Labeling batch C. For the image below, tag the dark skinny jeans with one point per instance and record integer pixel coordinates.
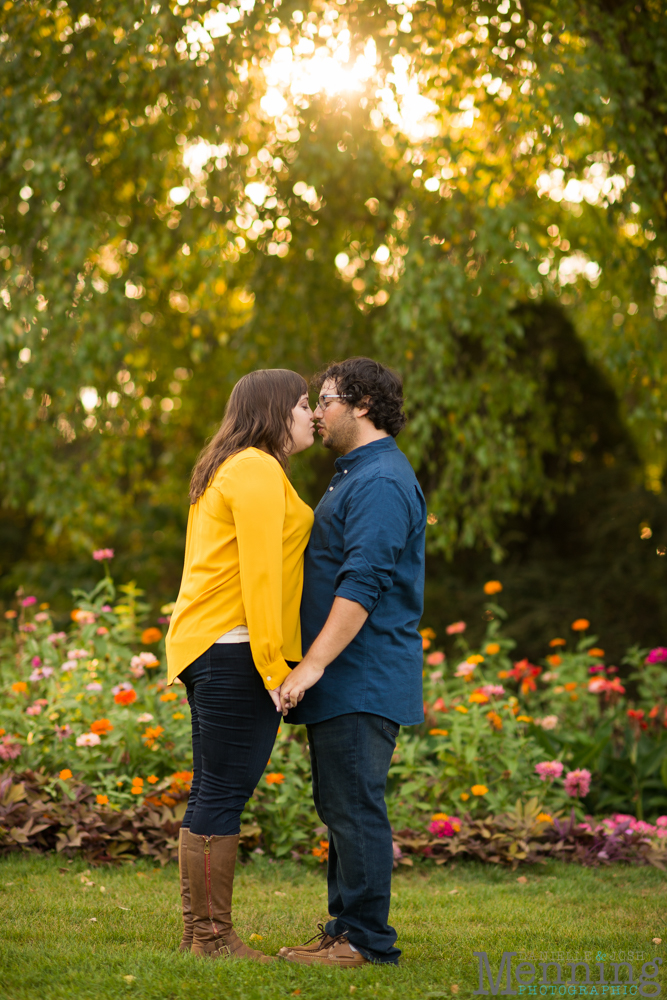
(234, 726)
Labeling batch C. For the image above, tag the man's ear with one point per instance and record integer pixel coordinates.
(363, 406)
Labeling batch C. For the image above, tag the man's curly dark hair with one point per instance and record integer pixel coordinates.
(364, 381)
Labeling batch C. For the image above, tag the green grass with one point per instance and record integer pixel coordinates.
(62, 939)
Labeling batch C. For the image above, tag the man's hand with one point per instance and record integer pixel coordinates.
(293, 687)
(344, 621)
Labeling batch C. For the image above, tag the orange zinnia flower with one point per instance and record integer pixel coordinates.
(102, 800)
(580, 625)
(478, 698)
(151, 635)
(101, 727)
(275, 778)
(438, 732)
(570, 686)
(19, 687)
(151, 735)
(558, 642)
(493, 587)
(65, 774)
(168, 696)
(554, 661)
(322, 852)
(492, 648)
(495, 720)
(152, 779)
(595, 651)
(479, 789)
(125, 697)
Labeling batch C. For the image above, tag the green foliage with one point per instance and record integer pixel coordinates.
(158, 301)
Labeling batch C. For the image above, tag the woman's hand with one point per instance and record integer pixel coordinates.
(275, 698)
(294, 687)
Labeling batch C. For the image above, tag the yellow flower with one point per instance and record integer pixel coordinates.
(544, 818)
(438, 732)
(478, 698)
(178, 715)
(436, 816)
(64, 775)
(169, 696)
(464, 796)
(462, 709)
(427, 633)
(475, 658)
(493, 587)
(479, 789)
(492, 648)
(524, 718)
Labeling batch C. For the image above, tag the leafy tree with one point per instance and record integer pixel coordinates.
(192, 192)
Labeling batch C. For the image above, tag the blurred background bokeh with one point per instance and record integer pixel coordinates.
(474, 194)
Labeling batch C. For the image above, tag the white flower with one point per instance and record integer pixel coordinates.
(88, 740)
(145, 717)
(548, 722)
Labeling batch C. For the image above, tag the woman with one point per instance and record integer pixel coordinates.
(234, 628)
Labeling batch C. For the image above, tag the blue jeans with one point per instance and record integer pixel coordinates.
(350, 757)
(234, 726)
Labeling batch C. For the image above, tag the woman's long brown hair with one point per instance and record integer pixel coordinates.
(258, 415)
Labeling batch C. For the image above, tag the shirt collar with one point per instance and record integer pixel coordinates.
(366, 451)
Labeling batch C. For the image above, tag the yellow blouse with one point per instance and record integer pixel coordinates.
(243, 566)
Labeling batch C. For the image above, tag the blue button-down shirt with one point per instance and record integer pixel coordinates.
(367, 545)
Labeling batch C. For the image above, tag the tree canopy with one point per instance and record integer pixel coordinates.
(190, 192)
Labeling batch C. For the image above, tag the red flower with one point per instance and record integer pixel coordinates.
(125, 697)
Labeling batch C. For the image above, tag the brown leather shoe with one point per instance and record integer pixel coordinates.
(339, 954)
(186, 940)
(320, 941)
(211, 863)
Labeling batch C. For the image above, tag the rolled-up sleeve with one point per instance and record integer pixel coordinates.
(377, 524)
(256, 496)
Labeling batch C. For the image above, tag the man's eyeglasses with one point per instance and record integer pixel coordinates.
(323, 401)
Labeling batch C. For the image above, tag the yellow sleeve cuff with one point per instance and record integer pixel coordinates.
(274, 674)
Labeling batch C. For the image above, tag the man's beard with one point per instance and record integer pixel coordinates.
(343, 437)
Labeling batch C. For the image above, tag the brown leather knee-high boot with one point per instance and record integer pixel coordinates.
(186, 941)
(211, 862)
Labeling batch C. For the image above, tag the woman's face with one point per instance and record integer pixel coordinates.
(303, 426)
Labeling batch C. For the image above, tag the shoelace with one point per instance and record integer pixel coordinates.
(321, 936)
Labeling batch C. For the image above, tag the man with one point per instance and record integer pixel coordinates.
(361, 677)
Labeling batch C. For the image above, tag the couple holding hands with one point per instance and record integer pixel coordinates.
(265, 578)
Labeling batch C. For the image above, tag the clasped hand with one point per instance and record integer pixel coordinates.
(293, 688)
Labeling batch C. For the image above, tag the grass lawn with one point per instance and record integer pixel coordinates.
(62, 939)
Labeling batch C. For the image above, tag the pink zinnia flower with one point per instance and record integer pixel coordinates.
(657, 655)
(40, 673)
(549, 769)
(88, 740)
(464, 669)
(548, 722)
(27, 601)
(492, 690)
(28, 627)
(62, 732)
(9, 750)
(94, 686)
(577, 782)
(661, 821)
(56, 637)
(33, 710)
(455, 628)
(100, 554)
(433, 659)
(36, 661)
(42, 616)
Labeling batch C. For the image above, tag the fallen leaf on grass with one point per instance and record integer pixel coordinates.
(522, 879)
(454, 988)
(93, 920)
(657, 940)
(10, 883)
(128, 979)
(280, 894)
(122, 907)
(453, 892)
(352, 989)
(296, 993)
(64, 871)
(102, 889)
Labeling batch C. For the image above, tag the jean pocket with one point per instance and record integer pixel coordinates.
(390, 727)
(199, 671)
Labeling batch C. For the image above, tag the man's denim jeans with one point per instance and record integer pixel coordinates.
(350, 757)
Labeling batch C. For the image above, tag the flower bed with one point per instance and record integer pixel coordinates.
(91, 706)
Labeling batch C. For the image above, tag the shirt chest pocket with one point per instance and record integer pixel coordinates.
(323, 519)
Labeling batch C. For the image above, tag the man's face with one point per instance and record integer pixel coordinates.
(336, 423)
